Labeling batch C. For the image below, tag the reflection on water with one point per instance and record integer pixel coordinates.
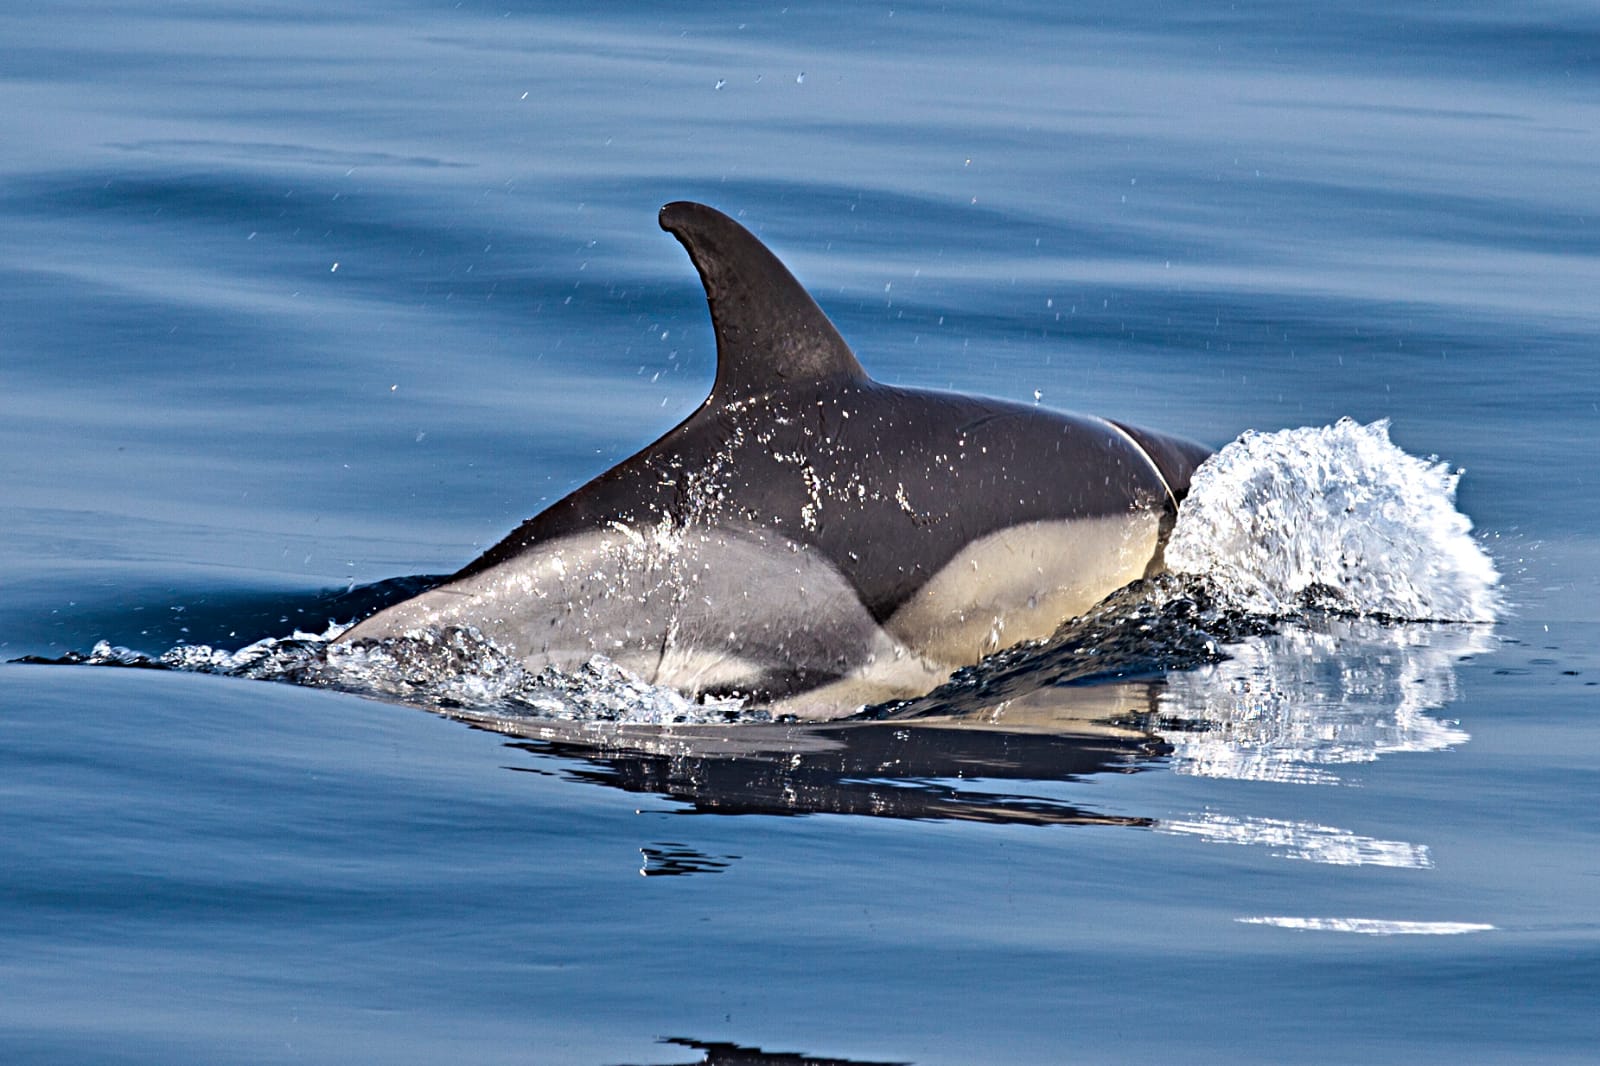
(1290, 706)
(723, 1054)
(1287, 707)
(670, 859)
(1302, 840)
(1330, 691)
(945, 771)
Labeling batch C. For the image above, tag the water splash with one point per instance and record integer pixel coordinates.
(450, 669)
(1337, 517)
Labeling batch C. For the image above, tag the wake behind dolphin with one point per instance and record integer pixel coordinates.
(810, 538)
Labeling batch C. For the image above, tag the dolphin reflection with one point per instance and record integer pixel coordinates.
(951, 770)
(1289, 706)
(722, 1053)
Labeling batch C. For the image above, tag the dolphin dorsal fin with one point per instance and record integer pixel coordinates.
(770, 332)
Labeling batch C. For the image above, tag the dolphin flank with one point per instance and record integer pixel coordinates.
(809, 537)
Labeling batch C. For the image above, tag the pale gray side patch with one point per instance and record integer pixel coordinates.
(762, 608)
(1021, 582)
(703, 609)
(560, 604)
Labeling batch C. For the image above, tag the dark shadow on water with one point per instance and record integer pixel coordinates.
(671, 859)
(720, 1053)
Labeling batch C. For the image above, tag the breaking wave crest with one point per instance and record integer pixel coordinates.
(1281, 533)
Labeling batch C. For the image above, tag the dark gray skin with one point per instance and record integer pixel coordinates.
(915, 505)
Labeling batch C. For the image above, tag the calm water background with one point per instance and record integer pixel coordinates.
(292, 299)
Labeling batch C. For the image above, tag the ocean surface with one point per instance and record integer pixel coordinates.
(295, 300)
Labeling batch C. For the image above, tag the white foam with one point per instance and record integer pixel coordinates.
(452, 668)
(1338, 513)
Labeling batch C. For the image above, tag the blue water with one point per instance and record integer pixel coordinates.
(294, 299)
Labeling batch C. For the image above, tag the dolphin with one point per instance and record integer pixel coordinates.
(810, 538)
